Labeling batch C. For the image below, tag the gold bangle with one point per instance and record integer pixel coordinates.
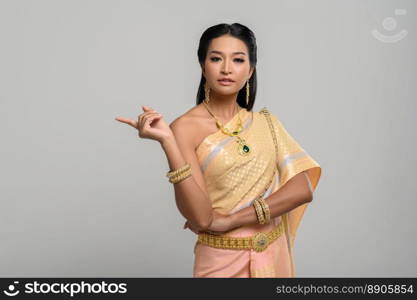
(181, 177)
(179, 170)
(265, 209)
(177, 176)
(259, 212)
(175, 179)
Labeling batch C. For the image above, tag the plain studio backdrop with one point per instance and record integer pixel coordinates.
(83, 196)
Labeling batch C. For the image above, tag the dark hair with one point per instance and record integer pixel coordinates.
(244, 34)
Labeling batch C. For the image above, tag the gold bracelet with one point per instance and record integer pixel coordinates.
(265, 209)
(175, 176)
(180, 174)
(259, 212)
(180, 177)
(179, 170)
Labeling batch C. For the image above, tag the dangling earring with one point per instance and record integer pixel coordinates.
(206, 92)
(247, 93)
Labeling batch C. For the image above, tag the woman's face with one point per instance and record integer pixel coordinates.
(228, 57)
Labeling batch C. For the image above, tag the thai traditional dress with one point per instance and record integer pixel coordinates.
(234, 181)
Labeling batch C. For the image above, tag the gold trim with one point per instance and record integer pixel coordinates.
(267, 115)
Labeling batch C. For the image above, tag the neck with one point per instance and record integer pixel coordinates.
(223, 106)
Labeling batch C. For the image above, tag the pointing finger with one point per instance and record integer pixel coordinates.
(130, 122)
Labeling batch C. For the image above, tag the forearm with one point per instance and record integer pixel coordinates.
(293, 194)
(191, 201)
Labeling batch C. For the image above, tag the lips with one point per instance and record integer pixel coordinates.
(226, 80)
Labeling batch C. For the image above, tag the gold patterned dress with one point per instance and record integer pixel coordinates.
(233, 182)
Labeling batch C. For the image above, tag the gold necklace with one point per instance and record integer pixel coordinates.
(243, 148)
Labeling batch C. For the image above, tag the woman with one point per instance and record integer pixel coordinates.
(240, 180)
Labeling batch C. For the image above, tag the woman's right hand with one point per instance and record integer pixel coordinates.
(150, 125)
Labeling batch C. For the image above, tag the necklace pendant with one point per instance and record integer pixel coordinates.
(243, 148)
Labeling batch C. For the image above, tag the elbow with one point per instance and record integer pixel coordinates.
(308, 197)
(305, 196)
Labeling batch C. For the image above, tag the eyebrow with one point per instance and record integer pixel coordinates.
(219, 52)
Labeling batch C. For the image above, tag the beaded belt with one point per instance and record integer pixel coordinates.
(258, 242)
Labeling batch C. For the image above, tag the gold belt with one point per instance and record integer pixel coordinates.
(258, 242)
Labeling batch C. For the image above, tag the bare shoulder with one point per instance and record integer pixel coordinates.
(192, 125)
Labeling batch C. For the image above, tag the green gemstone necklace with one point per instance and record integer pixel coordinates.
(243, 148)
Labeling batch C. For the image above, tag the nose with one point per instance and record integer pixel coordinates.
(226, 67)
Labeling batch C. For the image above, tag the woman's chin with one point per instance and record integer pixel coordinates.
(225, 90)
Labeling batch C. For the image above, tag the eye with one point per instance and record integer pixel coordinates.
(215, 58)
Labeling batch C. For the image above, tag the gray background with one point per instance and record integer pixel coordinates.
(83, 195)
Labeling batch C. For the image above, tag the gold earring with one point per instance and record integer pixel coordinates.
(206, 92)
(247, 93)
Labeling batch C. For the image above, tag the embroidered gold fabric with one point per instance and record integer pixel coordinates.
(232, 179)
